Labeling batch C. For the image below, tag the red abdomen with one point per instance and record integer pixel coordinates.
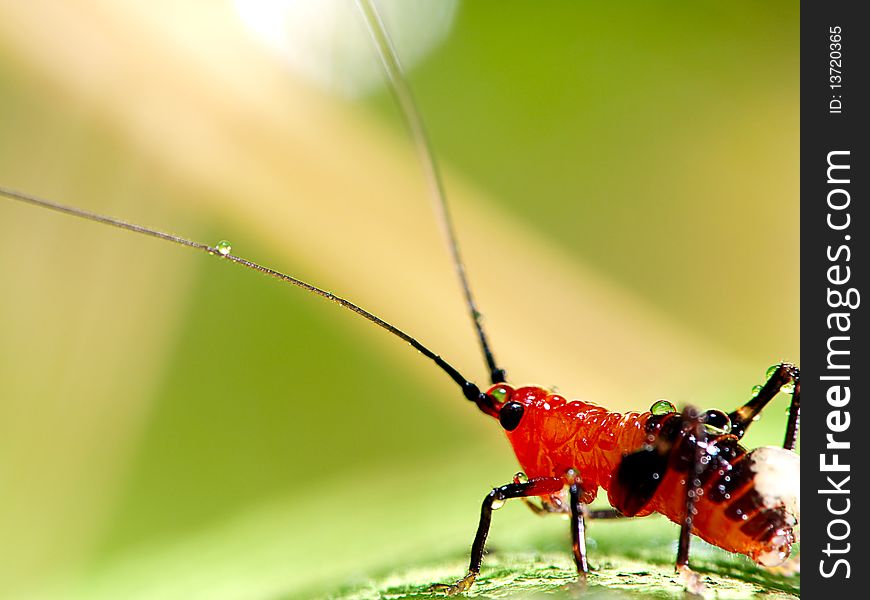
(734, 512)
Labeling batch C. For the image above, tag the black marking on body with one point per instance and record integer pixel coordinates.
(640, 473)
(737, 476)
(745, 506)
(636, 480)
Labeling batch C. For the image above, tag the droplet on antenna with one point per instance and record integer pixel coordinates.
(224, 247)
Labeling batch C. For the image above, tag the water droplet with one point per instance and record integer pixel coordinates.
(662, 407)
(756, 390)
(497, 504)
(655, 475)
(771, 371)
(717, 422)
(521, 477)
(499, 393)
(788, 388)
(224, 247)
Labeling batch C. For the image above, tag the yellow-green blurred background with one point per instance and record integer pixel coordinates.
(624, 178)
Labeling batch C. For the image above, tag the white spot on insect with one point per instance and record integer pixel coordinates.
(778, 479)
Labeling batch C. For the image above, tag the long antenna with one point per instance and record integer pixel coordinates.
(405, 99)
(486, 403)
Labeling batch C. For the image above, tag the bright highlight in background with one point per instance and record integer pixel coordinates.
(325, 41)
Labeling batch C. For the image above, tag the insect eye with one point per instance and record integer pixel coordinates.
(510, 414)
(716, 422)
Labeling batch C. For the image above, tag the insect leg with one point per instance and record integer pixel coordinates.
(534, 487)
(578, 532)
(784, 374)
(539, 506)
(694, 442)
(794, 415)
(549, 508)
(606, 513)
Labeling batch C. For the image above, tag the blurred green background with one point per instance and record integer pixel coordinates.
(624, 182)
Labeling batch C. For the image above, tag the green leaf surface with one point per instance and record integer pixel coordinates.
(552, 575)
(629, 559)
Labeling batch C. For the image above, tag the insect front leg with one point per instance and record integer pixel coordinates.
(539, 506)
(782, 375)
(494, 500)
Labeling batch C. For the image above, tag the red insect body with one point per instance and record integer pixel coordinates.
(555, 435)
(744, 502)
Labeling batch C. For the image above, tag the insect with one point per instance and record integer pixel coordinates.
(528, 469)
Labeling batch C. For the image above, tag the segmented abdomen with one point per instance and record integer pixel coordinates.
(749, 502)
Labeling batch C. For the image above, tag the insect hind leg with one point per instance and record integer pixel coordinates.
(784, 374)
(695, 443)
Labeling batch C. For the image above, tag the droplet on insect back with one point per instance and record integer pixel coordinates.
(756, 390)
(717, 422)
(224, 247)
(497, 504)
(662, 407)
(771, 371)
(788, 388)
